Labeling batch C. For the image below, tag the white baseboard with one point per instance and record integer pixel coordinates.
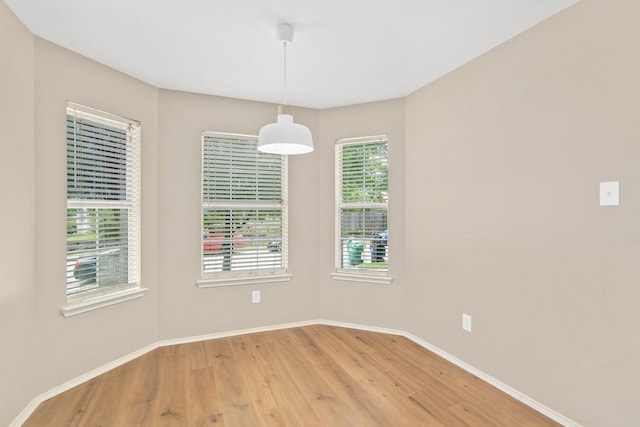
(28, 410)
(532, 403)
(217, 335)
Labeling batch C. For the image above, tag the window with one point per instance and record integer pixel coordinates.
(362, 187)
(102, 208)
(244, 212)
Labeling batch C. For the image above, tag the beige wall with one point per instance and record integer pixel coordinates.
(504, 159)
(16, 216)
(45, 348)
(369, 304)
(188, 310)
(494, 212)
(68, 347)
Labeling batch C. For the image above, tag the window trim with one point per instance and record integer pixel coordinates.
(340, 273)
(98, 301)
(217, 282)
(371, 277)
(84, 301)
(248, 277)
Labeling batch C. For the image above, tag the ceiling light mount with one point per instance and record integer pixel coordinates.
(285, 137)
(285, 33)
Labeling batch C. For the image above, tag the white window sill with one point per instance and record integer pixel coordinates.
(94, 303)
(363, 278)
(215, 282)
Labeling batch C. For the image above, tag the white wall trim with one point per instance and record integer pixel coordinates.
(216, 282)
(218, 335)
(362, 277)
(88, 304)
(532, 403)
(28, 410)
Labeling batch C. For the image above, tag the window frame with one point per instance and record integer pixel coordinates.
(101, 296)
(355, 274)
(243, 277)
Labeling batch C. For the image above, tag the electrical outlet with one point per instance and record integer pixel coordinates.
(255, 297)
(466, 322)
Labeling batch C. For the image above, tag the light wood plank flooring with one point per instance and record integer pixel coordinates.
(310, 376)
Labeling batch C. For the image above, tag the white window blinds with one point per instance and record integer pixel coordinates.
(244, 200)
(362, 186)
(102, 202)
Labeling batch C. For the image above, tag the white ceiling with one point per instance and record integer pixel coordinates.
(344, 51)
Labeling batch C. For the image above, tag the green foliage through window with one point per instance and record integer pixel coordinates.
(362, 197)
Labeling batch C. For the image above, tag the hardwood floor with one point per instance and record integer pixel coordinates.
(310, 376)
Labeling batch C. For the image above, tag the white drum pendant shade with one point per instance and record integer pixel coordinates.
(285, 136)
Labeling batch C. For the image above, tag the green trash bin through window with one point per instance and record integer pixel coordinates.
(355, 248)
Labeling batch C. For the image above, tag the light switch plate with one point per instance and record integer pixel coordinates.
(466, 322)
(610, 193)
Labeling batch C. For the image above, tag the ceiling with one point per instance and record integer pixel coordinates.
(344, 51)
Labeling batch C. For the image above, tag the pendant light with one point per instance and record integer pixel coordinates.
(285, 136)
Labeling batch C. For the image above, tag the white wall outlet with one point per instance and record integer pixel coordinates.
(610, 193)
(255, 297)
(466, 322)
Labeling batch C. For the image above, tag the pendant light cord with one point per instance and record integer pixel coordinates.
(285, 71)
